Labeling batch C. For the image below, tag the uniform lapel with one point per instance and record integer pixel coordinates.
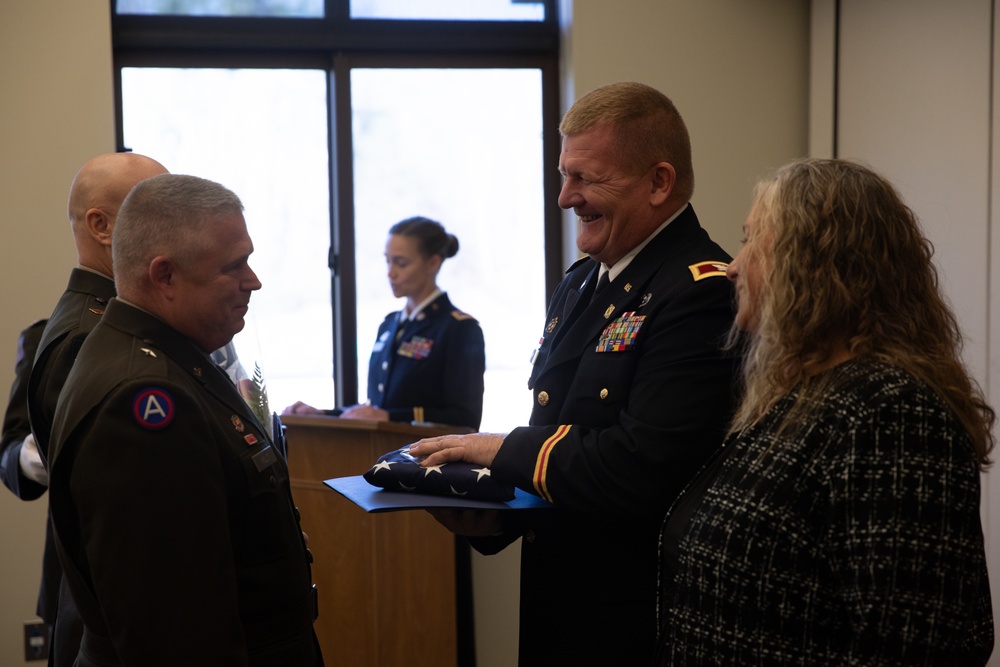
(579, 336)
(575, 305)
(626, 293)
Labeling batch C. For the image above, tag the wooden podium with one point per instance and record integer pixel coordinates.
(387, 582)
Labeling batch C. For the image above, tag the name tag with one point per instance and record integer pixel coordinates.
(380, 343)
(264, 459)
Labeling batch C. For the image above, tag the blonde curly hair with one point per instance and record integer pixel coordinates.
(845, 266)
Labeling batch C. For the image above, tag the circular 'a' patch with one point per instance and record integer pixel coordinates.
(153, 409)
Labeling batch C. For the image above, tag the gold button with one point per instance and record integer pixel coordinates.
(543, 398)
(604, 393)
(529, 536)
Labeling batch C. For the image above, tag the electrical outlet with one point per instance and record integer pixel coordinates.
(36, 640)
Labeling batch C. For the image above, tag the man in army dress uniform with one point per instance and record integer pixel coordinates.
(172, 510)
(95, 196)
(632, 391)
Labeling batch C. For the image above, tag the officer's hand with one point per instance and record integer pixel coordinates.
(479, 448)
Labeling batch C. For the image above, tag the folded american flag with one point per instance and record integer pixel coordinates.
(400, 471)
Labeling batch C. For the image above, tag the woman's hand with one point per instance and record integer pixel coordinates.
(365, 411)
(300, 408)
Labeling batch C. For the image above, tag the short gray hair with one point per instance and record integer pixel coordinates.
(164, 215)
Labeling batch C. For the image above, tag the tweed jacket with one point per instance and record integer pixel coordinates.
(856, 541)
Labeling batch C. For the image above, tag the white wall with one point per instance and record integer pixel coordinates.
(736, 70)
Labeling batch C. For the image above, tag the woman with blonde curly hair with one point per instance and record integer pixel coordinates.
(840, 524)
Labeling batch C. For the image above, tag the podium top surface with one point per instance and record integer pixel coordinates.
(416, 429)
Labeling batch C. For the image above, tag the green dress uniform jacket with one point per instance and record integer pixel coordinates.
(172, 511)
(854, 539)
(77, 312)
(632, 393)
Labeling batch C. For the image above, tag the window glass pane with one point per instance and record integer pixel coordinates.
(262, 134)
(481, 10)
(463, 147)
(271, 8)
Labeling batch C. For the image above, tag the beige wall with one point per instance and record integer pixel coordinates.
(55, 112)
(736, 70)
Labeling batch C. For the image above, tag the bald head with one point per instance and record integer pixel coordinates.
(94, 199)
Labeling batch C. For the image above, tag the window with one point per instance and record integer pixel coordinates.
(285, 8)
(209, 122)
(489, 10)
(482, 10)
(330, 136)
(447, 144)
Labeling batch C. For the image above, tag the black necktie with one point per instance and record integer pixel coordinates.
(603, 282)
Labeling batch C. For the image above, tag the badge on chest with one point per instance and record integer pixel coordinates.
(417, 347)
(621, 334)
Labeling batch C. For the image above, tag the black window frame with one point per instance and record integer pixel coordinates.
(336, 44)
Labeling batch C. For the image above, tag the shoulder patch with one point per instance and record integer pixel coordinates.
(153, 408)
(460, 316)
(703, 270)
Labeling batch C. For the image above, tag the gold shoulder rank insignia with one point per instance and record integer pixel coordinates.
(459, 315)
(703, 270)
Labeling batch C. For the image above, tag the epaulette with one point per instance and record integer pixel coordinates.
(578, 263)
(703, 270)
(460, 316)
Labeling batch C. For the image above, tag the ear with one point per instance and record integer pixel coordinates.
(162, 275)
(100, 226)
(436, 261)
(664, 178)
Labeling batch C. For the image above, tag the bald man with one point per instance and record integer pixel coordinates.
(95, 195)
(94, 198)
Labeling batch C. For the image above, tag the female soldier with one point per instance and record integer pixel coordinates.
(428, 360)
